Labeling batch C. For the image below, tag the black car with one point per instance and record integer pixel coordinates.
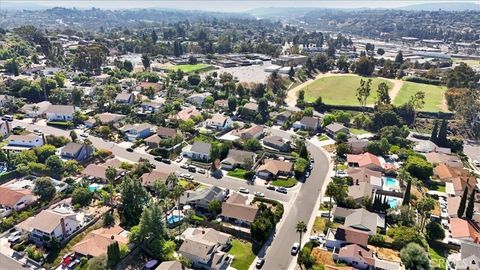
(260, 263)
(192, 169)
(129, 149)
(271, 187)
(158, 159)
(167, 161)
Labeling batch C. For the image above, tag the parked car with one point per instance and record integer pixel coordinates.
(192, 169)
(325, 215)
(188, 176)
(270, 187)
(184, 166)
(312, 160)
(295, 248)
(282, 190)
(260, 263)
(166, 161)
(85, 135)
(476, 163)
(259, 194)
(244, 190)
(14, 237)
(74, 264)
(341, 174)
(178, 159)
(202, 171)
(7, 117)
(158, 159)
(129, 149)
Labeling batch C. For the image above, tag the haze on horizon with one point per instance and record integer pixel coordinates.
(225, 5)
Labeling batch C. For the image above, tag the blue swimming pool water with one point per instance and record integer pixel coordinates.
(174, 219)
(94, 187)
(392, 202)
(389, 181)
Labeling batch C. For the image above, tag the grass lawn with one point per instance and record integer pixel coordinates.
(434, 95)
(437, 256)
(319, 225)
(342, 167)
(290, 182)
(323, 137)
(244, 256)
(340, 90)
(238, 173)
(191, 68)
(470, 62)
(357, 131)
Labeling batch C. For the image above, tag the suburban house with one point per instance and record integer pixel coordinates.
(366, 175)
(253, 132)
(59, 222)
(221, 104)
(97, 171)
(459, 184)
(336, 238)
(36, 109)
(149, 107)
(251, 108)
(448, 160)
(125, 98)
(219, 122)
(60, 113)
(463, 230)
(238, 158)
(454, 202)
(200, 199)
(362, 219)
(235, 209)
(14, 200)
(468, 257)
(187, 113)
(360, 192)
(283, 117)
(198, 151)
(149, 178)
(162, 134)
(5, 128)
(272, 169)
(278, 143)
(334, 128)
(197, 99)
(96, 242)
(171, 265)
(357, 146)
(23, 142)
(142, 86)
(137, 131)
(365, 160)
(205, 247)
(77, 151)
(308, 123)
(356, 256)
(104, 119)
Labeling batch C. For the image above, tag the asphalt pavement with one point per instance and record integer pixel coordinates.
(7, 263)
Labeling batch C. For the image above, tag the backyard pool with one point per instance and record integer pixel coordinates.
(392, 202)
(390, 181)
(173, 219)
(94, 187)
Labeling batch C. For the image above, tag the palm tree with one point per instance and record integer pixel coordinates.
(175, 194)
(301, 228)
(330, 192)
(35, 109)
(111, 174)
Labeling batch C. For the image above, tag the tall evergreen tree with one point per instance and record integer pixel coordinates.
(154, 36)
(463, 203)
(434, 136)
(470, 207)
(407, 195)
(442, 134)
(113, 254)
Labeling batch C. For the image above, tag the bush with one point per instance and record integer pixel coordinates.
(61, 124)
(422, 80)
(376, 239)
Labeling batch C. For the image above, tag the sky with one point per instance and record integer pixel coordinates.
(225, 5)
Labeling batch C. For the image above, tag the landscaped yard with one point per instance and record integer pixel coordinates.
(319, 225)
(340, 90)
(290, 182)
(470, 62)
(437, 256)
(244, 256)
(191, 68)
(323, 137)
(238, 173)
(434, 96)
(357, 131)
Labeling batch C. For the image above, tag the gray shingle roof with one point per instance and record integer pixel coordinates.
(201, 147)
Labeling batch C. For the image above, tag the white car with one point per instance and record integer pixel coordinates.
(476, 163)
(295, 248)
(14, 236)
(259, 194)
(244, 190)
(341, 174)
(178, 159)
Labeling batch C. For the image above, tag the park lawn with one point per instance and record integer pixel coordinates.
(437, 256)
(470, 62)
(187, 68)
(238, 173)
(290, 182)
(244, 256)
(341, 90)
(357, 131)
(323, 137)
(434, 96)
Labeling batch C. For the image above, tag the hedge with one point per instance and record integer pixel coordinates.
(422, 80)
(60, 124)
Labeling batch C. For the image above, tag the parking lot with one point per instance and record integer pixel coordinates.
(253, 73)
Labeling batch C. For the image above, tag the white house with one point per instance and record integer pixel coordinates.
(60, 113)
(198, 151)
(219, 122)
(14, 200)
(23, 142)
(125, 98)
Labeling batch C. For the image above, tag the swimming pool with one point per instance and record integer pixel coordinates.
(392, 202)
(172, 219)
(390, 181)
(94, 187)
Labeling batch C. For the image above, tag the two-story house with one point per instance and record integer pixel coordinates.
(198, 151)
(23, 142)
(125, 98)
(14, 200)
(60, 113)
(137, 131)
(219, 122)
(77, 151)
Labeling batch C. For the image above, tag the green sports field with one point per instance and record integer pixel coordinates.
(341, 90)
(434, 96)
(191, 68)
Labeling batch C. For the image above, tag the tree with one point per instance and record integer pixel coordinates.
(127, 65)
(399, 58)
(263, 106)
(383, 98)
(232, 104)
(442, 140)
(55, 165)
(380, 51)
(463, 203)
(134, 197)
(414, 257)
(252, 144)
(108, 219)
(291, 73)
(417, 101)
(145, 61)
(302, 149)
(424, 208)
(215, 207)
(470, 206)
(364, 66)
(208, 102)
(154, 37)
(113, 254)
(73, 136)
(81, 196)
(44, 189)
(419, 167)
(406, 196)
(98, 263)
(111, 175)
(435, 231)
(305, 258)
(363, 92)
(44, 151)
(434, 136)
(301, 228)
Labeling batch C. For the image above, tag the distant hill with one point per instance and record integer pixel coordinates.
(452, 6)
(22, 6)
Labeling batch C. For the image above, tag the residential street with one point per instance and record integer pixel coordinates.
(7, 263)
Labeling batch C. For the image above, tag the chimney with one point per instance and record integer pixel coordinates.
(64, 230)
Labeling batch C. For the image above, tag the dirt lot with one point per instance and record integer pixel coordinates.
(249, 74)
